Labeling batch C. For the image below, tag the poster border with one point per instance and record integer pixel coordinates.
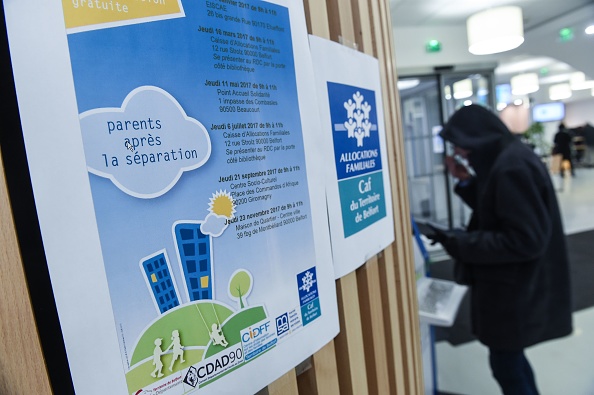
(27, 229)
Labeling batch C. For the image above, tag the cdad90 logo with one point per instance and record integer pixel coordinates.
(214, 366)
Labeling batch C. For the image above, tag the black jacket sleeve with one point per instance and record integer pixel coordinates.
(515, 221)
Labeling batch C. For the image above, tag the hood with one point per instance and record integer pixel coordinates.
(478, 130)
(474, 128)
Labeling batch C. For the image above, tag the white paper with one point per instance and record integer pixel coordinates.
(356, 162)
(127, 125)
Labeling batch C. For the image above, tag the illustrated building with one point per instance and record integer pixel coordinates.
(194, 251)
(157, 274)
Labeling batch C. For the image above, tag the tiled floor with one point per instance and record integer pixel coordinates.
(562, 367)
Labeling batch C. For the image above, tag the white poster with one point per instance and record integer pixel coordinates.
(172, 151)
(357, 179)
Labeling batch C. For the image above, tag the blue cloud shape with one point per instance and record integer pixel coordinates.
(144, 146)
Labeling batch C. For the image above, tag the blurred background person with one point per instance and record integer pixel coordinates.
(513, 253)
(562, 146)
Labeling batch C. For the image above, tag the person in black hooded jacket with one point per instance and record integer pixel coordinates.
(513, 253)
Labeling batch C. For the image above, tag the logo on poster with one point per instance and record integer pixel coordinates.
(191, 377)
(357, 124)
(282, 324)
(355, 133)
(308, 281)
(253, 334)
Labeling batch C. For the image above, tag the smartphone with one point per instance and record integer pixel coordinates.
(464, 163)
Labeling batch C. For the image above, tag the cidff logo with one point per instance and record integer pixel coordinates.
(256, 332)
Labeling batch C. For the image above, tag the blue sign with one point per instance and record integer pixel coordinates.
(310, 311)
(357, 156)
(307, 285)
(355, 134)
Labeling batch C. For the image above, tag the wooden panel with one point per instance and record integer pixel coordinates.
(285, 385)
(378, 348)
(389, 292)
(350, 351)
(372, 322)
(22, 367)
(399, 256)
(406, 244)
(324, 363)
(317, 16)
(410, 338)
(391, 295)
(322, 378)
(362, 26)
(368, 24)
(340, 16)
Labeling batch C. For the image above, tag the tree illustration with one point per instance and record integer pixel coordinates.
(240, 285)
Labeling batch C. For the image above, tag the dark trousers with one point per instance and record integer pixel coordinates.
(512, 371)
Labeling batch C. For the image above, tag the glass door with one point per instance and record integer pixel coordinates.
(427, 102)
(424, 149)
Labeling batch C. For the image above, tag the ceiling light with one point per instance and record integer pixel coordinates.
(518, 102)
(407, 84)
(577, 81)
(555, 79)
(501, 106)
(559, 91)
(447, 92)
(590, 29)
(495, 30)
(467, 102)
(522, 84)
(463, 89)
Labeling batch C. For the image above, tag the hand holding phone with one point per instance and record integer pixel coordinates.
(458, 167)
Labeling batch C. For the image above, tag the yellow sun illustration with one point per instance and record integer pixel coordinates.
(221, 203)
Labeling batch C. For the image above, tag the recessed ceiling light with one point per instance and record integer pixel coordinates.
(559, 91)
(407, 84)
(578, 81)
(590, 29)
(523, 84)
(487, 35)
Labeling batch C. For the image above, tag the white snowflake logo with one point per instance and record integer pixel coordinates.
(308, 281)
(357, 124)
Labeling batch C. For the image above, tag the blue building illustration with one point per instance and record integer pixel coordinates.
(160, 282)
(194, 252)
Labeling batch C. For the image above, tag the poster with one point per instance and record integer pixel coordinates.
(357, 180)
(184, 223)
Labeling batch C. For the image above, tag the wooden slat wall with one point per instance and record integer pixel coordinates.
(378, 348)
(22, 367)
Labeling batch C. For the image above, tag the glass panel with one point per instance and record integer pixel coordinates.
(462, 89)
(427, 103)
(421, 121)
